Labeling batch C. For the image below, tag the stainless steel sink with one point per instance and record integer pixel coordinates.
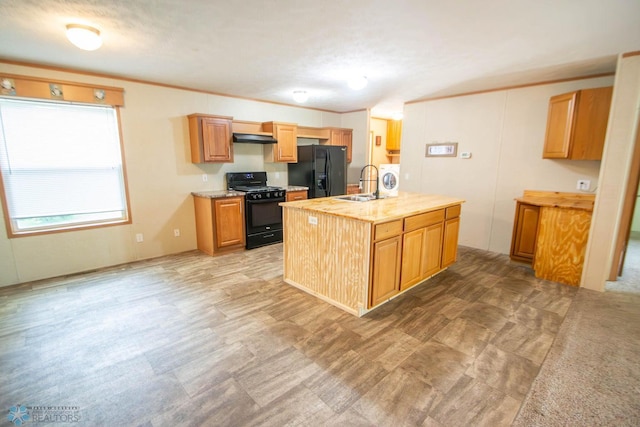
(357, 197)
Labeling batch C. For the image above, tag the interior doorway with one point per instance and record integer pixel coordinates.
(625, 268)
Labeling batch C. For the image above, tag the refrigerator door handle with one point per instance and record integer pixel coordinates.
(329, 189)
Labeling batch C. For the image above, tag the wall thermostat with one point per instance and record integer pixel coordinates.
(465, 155)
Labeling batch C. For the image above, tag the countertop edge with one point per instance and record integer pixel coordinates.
(375, 218)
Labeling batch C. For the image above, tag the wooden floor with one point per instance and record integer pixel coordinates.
(222, 341)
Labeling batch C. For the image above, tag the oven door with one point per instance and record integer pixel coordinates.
(264, 222)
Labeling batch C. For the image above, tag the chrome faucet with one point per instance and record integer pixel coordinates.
(376, 193)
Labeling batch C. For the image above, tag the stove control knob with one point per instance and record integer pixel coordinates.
(258, 196)
(267, 195)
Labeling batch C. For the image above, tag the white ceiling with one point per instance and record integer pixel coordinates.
(408, 49)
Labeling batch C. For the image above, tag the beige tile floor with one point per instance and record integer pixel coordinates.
(197, 340)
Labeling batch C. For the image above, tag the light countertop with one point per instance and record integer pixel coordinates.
(217, 194)
(552, 199)
(381, 210)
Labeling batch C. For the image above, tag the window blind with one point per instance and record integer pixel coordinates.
(61, 163)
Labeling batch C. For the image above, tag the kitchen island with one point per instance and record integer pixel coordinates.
(357, 255)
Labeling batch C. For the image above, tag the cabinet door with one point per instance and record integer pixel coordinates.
(559, 126)
(216, 140)
(229, 219)
(296, 195)
(525, 231)
(287, 149)
(412, 258)
(394, 134)
(432, 250)
(386, 270)
(343, 138)
(450, 241)
(347, 141)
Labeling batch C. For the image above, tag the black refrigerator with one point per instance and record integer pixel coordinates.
(322, 168)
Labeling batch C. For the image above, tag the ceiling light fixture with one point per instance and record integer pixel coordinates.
(300, 96)
(396, 116)
(84, 36)
(358, 83)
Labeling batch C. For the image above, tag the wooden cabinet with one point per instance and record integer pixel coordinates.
(394, 135)
(421, 247)
(525, 230)
(577, 124)
(342, 137)
(551, 231)
(353, 189)
(450, 236)
(413, 249)
(286, 149)
(296, 195)
(210, 138)
(387, 252)
(426, 243)
(220, 225)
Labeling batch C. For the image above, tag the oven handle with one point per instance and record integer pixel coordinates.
(277, 200)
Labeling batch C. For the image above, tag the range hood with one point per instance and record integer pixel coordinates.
(250, 138)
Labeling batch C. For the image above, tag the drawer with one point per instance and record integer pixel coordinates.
(387, 229)
(422, 220)
(292, 196)
(453, 211)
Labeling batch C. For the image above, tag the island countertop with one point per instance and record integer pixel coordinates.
(375, 211)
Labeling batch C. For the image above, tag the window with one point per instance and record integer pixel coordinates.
(62, 166)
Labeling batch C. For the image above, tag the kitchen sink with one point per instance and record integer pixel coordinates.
(357, 197)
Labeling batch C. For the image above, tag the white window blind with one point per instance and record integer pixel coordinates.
(61, 164)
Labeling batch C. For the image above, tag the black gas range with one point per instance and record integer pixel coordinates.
(263, 215)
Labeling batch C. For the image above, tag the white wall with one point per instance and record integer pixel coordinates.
(504, 131)
(616, 163)
(379, 152)
(161, 177)
(359, 122)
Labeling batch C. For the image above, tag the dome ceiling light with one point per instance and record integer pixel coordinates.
(358, 83)
(300, 96)
(84, 36)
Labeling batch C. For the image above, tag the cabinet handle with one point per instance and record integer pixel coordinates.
(268, 235)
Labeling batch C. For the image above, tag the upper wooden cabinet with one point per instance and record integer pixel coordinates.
(577, 124)
(342, 137)
(394, 135)
(210, 138)
(286, 149)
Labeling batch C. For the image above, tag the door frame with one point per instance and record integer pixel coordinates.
(626, 217)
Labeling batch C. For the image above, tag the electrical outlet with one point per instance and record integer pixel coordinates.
(139, 237)
(583, 184)
(176, 232)
(205, 177)
(313, 220)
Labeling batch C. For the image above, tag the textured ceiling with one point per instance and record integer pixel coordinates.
(408, 49)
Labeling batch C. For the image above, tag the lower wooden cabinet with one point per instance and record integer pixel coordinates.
(410, 251)
(450, 238)
(386, 269)
(432, 257)
(220, 225)
(292, 196)
(525, 230)
(413, 250)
